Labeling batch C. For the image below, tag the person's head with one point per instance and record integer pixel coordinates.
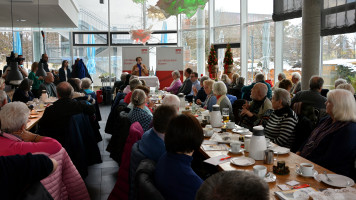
(171, 100)
(259, 77)
(219, 88)
(86, 83)
(65, 63)
(341, 105)
(184, 134)
(316, 83)
(281, 76)
(240, 81)
(76, 83)
(235, 77)
(20, 59)
(26, 84)
(296, 77)
(138, 98)
(49, 78)
(175, 74)
(194, 76)
(208, 86)
(286, 84)
(280, 99)
(134, 83)
(339, 81)
(346, 86)
(146, 90)
(127, 79)
(3, 98)
(64, 90)
(162, 116)
(187, 72)
(143, 82)
(138, 60)
(202, 79)
(45, 57)
(231, 185)
(34, 67)
(259, 92)
(14, 116)
(123, 76)
(225, 78)
(2, 83)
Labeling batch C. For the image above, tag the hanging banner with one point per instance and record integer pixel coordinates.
(168, 59)
(129, 55)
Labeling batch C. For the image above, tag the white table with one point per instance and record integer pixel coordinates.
(151, 81)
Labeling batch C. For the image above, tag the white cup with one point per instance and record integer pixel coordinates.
(208, 131)
(230, 125)
(260, 170)
(306, 169)
(247, 144)
(235, 147)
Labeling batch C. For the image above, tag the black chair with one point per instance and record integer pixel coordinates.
(136, 157)
(146, 189)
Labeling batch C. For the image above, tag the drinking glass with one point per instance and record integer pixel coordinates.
(225, 114)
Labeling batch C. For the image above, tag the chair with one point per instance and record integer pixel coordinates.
(144, 181)
(136, 157)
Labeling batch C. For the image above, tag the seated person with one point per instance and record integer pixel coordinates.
(125, 88)
(133, 83)
(231, 185)
(286, 84)
(297, 85)
(195, 86)
(236, 90)
(235, 76)
(259, 78)
(225, 78)
(23, 92)
(339, 81)
(281, 76)
(174, 177)
(138, 114)
(280, 125)
(48, 85)
(312, 96)
(347, 86)
(252, 113)
(78, 93)
(186, 88)
(149, 104)
(56, 117)
(154, 137)
(332, 143)
(86, 83)
(200, 94)
(171, 100)
(210, 98)
(220, 90)
(176, 83)
(3, 98)
(118, 84)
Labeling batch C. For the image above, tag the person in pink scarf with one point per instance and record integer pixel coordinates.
(176, 83)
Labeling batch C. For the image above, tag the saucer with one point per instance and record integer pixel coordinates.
(299, 172)
(240, 151)
(270, 178)
(279, 150)
(337, 180)
(242, 161)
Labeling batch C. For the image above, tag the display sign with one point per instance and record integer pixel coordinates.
(129, 55)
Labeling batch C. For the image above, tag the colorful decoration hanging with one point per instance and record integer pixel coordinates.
(141, 35)
(155, 13)
(175, 7)
(212, 60)
(228, 61)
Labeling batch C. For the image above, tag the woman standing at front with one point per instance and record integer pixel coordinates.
(37, 80)
(139, 69)
(64, 72)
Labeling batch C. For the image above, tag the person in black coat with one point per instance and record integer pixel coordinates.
(64, 72)
(44, 61)
(186, 88)
(23, 93)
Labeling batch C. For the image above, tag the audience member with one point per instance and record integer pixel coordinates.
(64, 72)
(78, 93)
(332, 143)
(143, 82)
(348, 87)
(186, 88)
(176, 83)
(220, 90)
(23, 93)
(37, 80)
(3, 98)
(200, 94)
(48, 86)
(2, 88)
(297, 85)
(154, 137)
(281, 76)
(148, 105)
(126, 87)
(312, 96)
(139, 69)
(86, 83)
(80, 70)
(134, 82)
(225, 79)
(286, 84)
(174, 176)
(171, 100)
(118, 84)
(280, 125)
(195, 86)
(234, 78)
(339, 81)
(138, 114)
(210, 98)
(236, 90)
(44, 62)
(259, 78)
(232, 185)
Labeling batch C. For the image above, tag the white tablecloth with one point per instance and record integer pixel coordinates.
(151, 81)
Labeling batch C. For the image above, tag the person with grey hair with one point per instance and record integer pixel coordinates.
(200, 94)
(259, 78)
(176, 83)
(171, 100)
(225, 78)
(281, 76)
(23, 92)
(138, 114)
(297, 85)
(339, 81)
(281, 124)
(231, 185)
(312, 96)
(48, 85)
(118, 84)
(220, 90)
(3, 98)
(236, 90)
(133, 84)
(346, 86)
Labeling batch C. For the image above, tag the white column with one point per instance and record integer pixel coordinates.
(243, 39)
(200, 41)
(211, 11)
(278, 49)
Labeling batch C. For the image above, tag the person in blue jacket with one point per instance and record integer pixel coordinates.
(246, 90)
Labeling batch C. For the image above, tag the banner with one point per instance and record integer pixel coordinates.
(129, 55)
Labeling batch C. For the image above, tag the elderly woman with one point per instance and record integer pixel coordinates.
(220, 90)
(234, 78)
(174, 176)
(37, 80)
(210, 98)
(78, 93)
(15, 139)
(138, 114)
(281, 76)
(236, 90)
(176, 83)
(23, 93)
(280, 126)
(226, 80)
(148, 106)
(346, 86)
(332, 143)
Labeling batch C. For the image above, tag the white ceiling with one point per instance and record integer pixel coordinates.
(53, 13)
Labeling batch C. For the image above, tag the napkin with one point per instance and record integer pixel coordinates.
(216, 160)
(331, 194)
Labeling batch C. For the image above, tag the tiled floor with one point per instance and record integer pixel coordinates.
(102, 177)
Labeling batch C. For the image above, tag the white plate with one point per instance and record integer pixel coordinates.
(240, 151)
(216, 129)
(299, 172)
(270, 178)
(337, 180)
(244, 132)
(279, 150)
(242, 161)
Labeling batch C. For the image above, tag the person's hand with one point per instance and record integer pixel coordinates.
(165, 89)
(246, 106)
(195, 90)
(26, 136)
(40, 78)
(246, 112)
(136, 69)
(198, 102)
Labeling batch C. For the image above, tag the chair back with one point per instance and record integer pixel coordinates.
(136, 157)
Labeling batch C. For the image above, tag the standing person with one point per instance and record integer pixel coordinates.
(79, 70)
(64, 72)
(37, 80)
(44, 61)
(139, 69)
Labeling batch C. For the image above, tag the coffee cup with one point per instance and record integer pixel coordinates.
(260, 170)
(306, 169)
(230, 125)
(208, 131)
(235, 147)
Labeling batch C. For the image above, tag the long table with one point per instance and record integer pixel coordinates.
(33, 121)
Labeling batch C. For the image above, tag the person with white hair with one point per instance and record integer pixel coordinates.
(171, 100)
(3, 98)
(346, 86)
(220, 90)
(176, 83)
(281, 76)
(134, 82)
(332, 143)
(48, 85)
(225, 78)
(280, 125)
(297, 85)
(339, 81)
(138, 114)
(210, 98)
(259, 78)
(119, 83)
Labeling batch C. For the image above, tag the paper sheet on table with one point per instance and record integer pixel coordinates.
(209, 142)
(215, 147)
(216, 160)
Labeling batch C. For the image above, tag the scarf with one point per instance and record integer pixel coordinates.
(10, 136)
(206, 102)
(139, 69)
(320, 132)
(220, 99)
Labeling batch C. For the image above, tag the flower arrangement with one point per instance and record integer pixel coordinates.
(228, 58)
(212, 60)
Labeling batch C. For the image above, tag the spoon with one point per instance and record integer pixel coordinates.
(327, 177)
